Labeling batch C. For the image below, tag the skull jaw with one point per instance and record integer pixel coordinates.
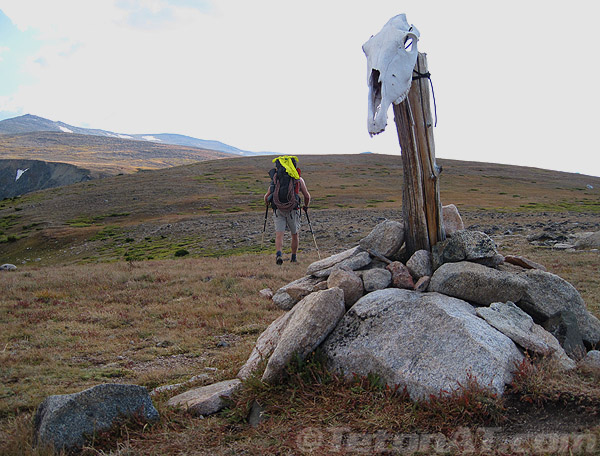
(379, 104)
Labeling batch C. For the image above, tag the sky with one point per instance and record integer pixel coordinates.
(516, 82)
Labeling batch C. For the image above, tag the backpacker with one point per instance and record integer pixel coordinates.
(285, 184)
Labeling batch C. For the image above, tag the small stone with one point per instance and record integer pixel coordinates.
(423, 284)
(205, 400)
(452, 220)
(523, 262)
(349, 282)
(591, 362)
(401, 277)
(8, 267)
(376, 279)
(419, 264)
(257, 414)
(266, 293)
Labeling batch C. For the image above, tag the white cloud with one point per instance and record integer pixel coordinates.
(291, 77)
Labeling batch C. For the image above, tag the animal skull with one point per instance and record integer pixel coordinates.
(391, 57)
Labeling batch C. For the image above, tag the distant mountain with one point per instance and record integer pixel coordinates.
(34, 124)
(103, 154)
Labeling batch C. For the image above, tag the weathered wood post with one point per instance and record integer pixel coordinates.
(421, 205)
(397, 74)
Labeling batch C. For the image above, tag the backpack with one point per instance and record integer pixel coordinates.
(284, 187)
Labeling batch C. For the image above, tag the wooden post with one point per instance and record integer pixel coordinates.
(421, 205)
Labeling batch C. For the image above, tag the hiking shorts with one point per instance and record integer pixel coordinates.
(287, 219)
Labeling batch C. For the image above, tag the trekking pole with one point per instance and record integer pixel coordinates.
(265, 226)
(311, 231)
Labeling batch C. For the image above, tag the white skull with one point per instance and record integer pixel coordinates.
(391, 57)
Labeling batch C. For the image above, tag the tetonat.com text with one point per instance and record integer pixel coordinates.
(332, 440)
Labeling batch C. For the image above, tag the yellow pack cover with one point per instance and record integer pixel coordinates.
(286, 162)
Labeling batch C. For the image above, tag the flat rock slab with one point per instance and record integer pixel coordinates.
(477, 283)
(265, 345)
(514, 323)
(357, 261)
(66, 421)
(426, 342)
(328, 262)
(314, 318)
(289, 295)
(205, 400)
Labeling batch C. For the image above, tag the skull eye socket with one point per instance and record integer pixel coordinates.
(408, 43)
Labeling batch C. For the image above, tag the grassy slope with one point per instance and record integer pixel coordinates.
(68, 325)
(101, 154)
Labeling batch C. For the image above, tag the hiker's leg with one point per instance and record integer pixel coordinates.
(295, 242)
(279, 241)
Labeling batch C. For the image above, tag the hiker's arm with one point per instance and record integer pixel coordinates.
(305, 193)
(267, 196)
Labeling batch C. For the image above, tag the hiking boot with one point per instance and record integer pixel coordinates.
(294, 259)
(279, 260)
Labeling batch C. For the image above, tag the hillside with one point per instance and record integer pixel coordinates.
(215, 207)
(35, 124)
(18, 177)
(100, 153)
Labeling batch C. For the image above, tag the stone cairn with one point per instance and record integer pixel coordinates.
(429, 324)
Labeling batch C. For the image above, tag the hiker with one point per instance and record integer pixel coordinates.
(284, 197)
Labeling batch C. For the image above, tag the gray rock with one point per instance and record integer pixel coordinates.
(266, 293)
(476, 283)
(289, 295)
(357, 261)
(349, 282)
(426, 342)
(419, 264)
(8, 267)
(165, 388)
(66, 421)
(514, 323)
(547, 294)
(591, 361)
(591, 241)
(312, 321)
(331, 261)
(386, 238)
(257, 414)
(265, 345)
(205, 400)
(452, 220)
(563, 326)
(559, 356)
(463, 245)
(376, 279)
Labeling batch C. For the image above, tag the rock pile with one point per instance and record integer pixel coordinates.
(430, 323)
